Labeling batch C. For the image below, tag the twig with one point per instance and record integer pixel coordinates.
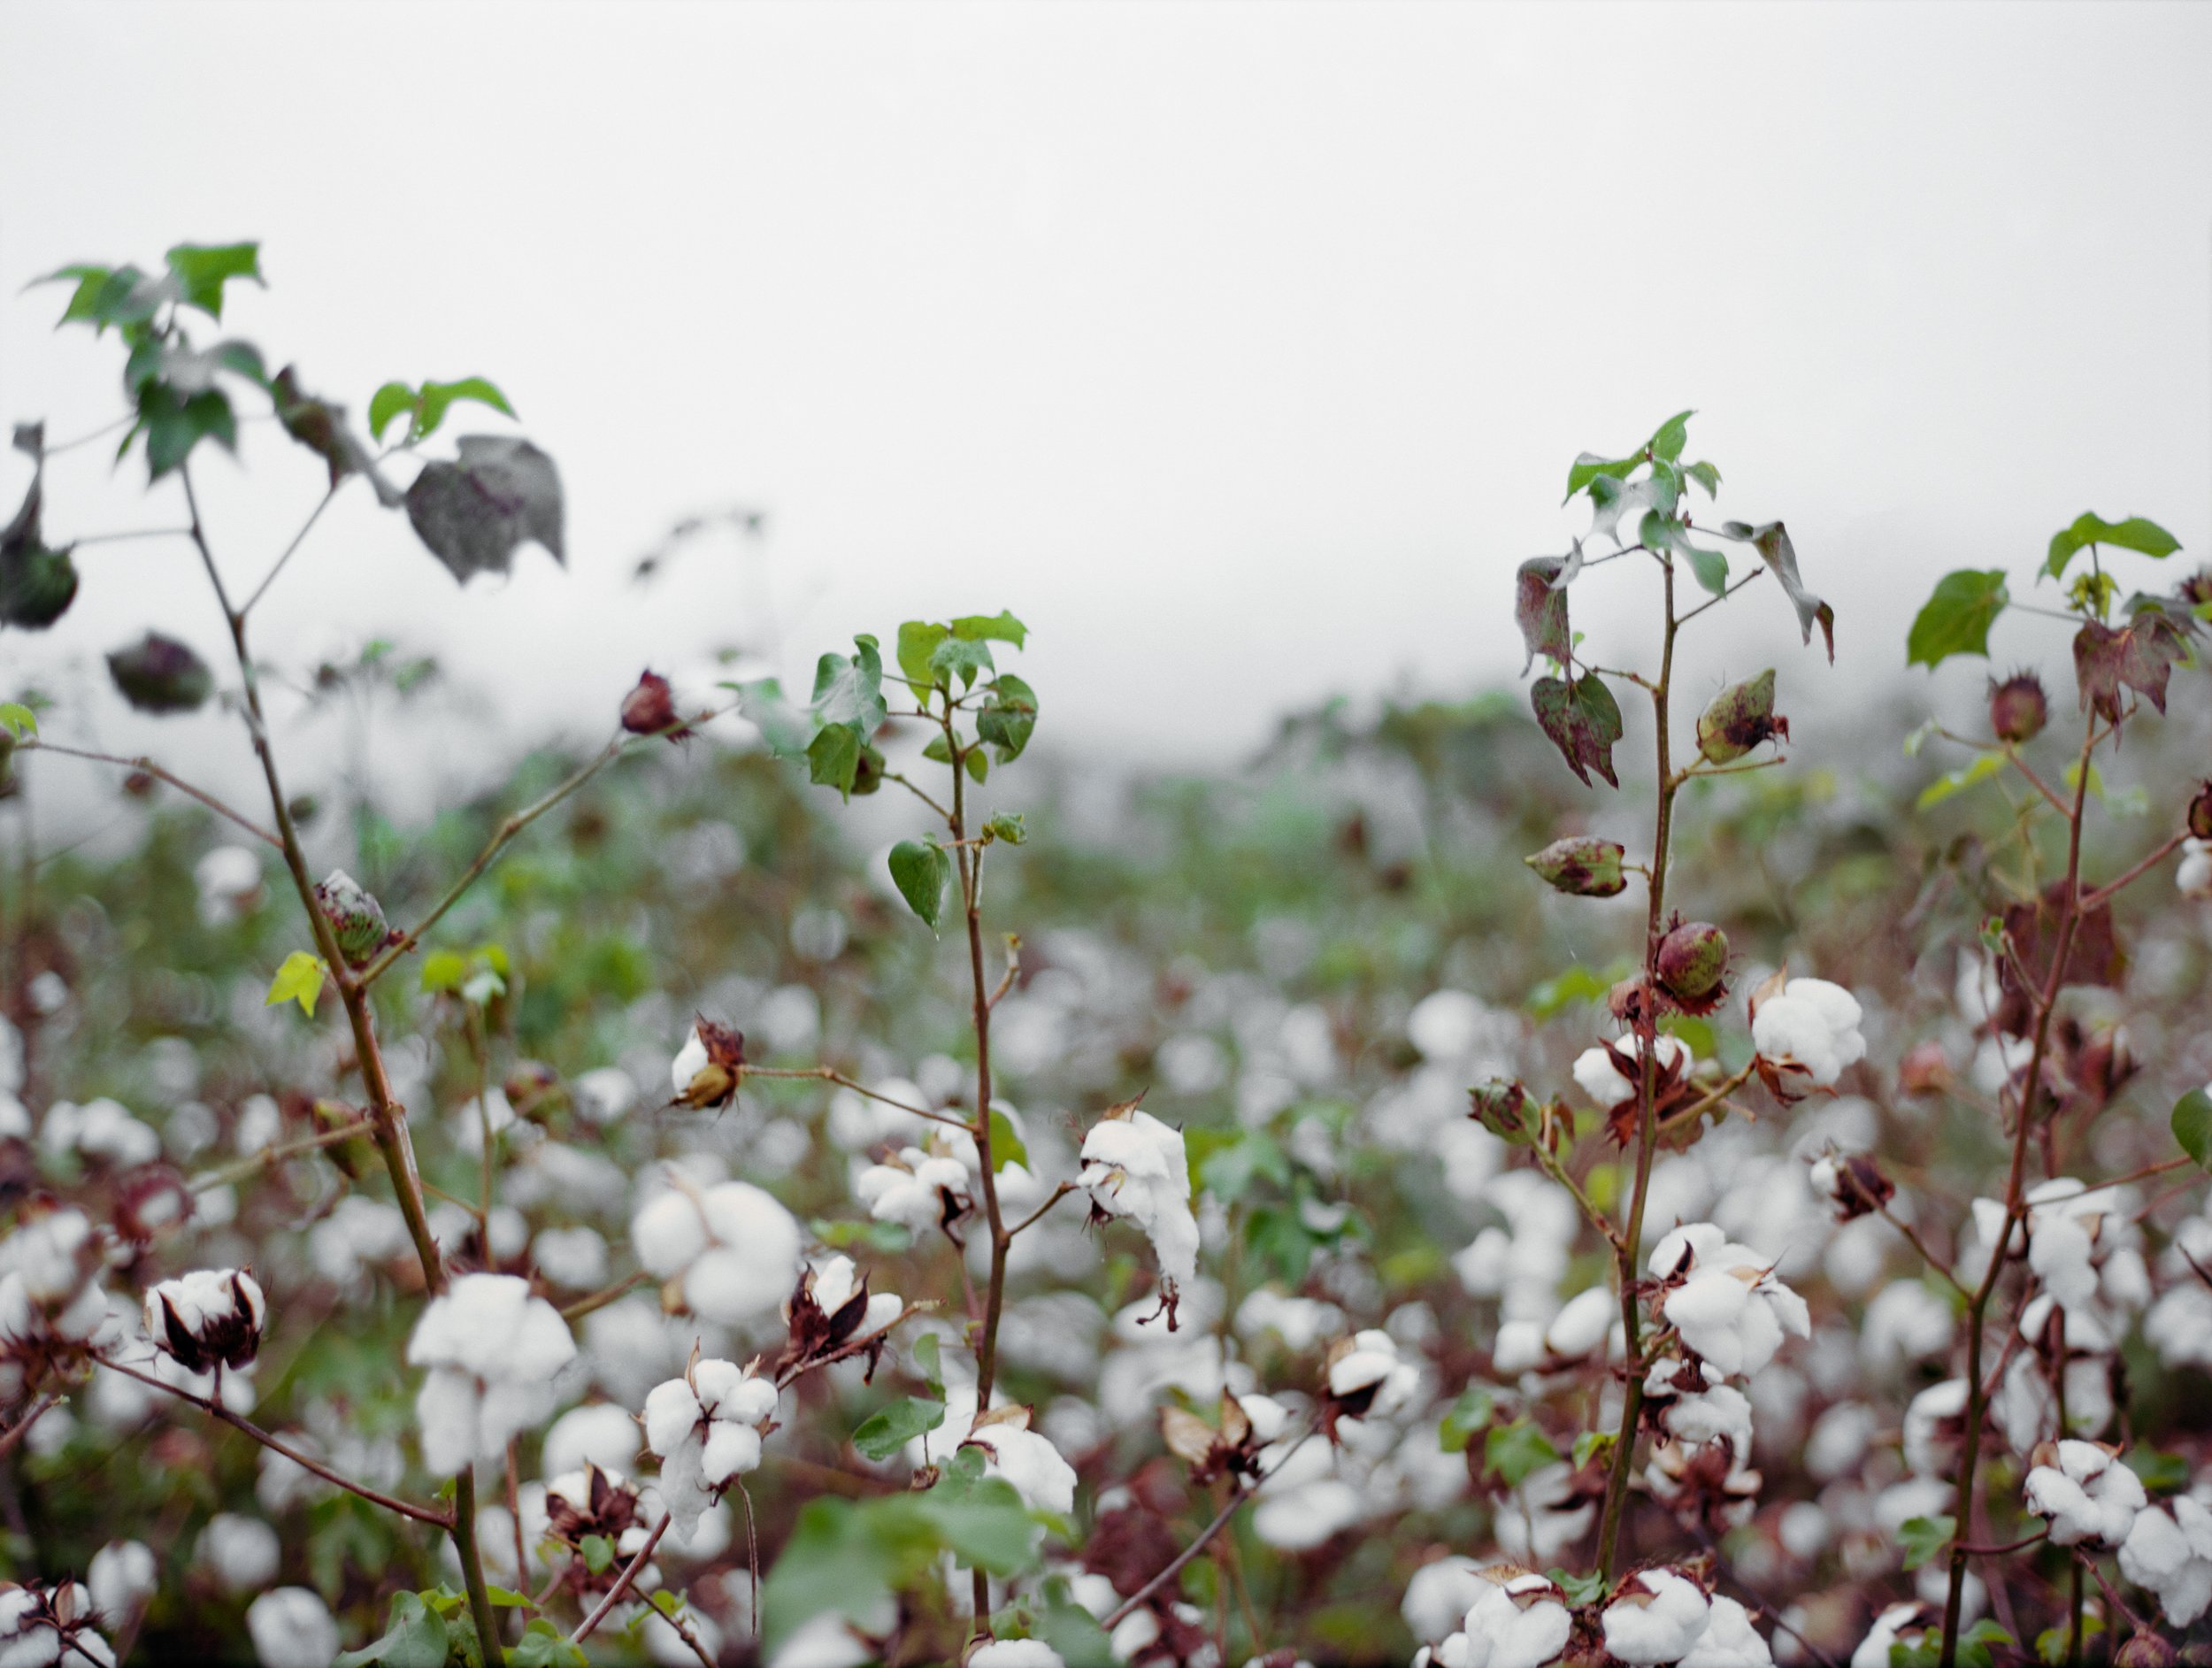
(298, 538)
(15, 1433)
(622, 1582)
(128, 534)
(2102, 896)
(1058, 1194)
(830, 1074)
(270, 1157)
(1928, 1257)
(1013, 968)
(575, 1312)
(214, 804)
(1221, 1517)
(406, 1509)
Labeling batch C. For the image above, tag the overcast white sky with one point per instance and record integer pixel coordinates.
(1240, 350)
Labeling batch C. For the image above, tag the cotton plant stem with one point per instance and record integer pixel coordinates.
(33, 744)
(1220, 1518)
(388, 1117)
(1978, 1306)
(270, 1157)
(1628, 1250)
(275, 1444)
(630, 1572)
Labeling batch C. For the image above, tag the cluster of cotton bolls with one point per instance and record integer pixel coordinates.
(1507, 1616)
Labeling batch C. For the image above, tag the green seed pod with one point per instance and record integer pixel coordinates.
(356, 919)
(36, 586)
(1582, 865)
(1692, 958)
(160, 674)
(1740, 717)
(1501, 1107)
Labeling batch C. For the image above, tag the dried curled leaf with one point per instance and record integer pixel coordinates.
(472, 512)
(1771, 540)
(2138, 656)
(1539, 608)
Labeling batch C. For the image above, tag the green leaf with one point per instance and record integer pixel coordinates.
(1075, 1633)
(21, 721)
(1466, 1416)
(1923, 1538)
(300, 979)
(1957, 617)
(394, 399)
(443, 970)
(2134, 534)
(1583, 720)
(1007, 1146)
(976, 763)
(1007, 825)
(1671, 436)
(917, 641)
(1009, 718)
(985, 1525)
(1579, 1589)
(1984, 766)
(1230, 1164)
(598, 1552)
(415, 1636)
(1511, 1452)
(1577, 984)
(202, 270)
(925, 1363)
(545, 1646)
(1588, 466)
(958, 655)
(2162, 1474)
(849, 690)
(999, 628)
(919, 868)
(174, 424)
(884, 1433)
(1592, 1443)
(2192, 1126)
(1705, 476)
(832, 757)
(437, 397)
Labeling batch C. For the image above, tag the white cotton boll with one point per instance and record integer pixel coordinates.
(1445, 1025)
(1906, 1321)
(1025, 1458)
(1582, 1325)
(575, 1258)
(1301, 1519)
(1730, 1309)
(1934, 1427)
(1016, 1653)
(2194, 877)
(493, 1349)
(2088, 1495)
(1498, 1632)
(1729, 1640)
(260, 1124)
(605, 1094)
(1660, 1617)
(1839, 1441)
(1439, 1595)
(730, 1450)
(726, 1285)
(1977, 990)
(1601, 1081)
(2168, 1552)
(824, 1641)
(291, 1627)
(228, 879)
(672, 1411)
(691, 1059)
(102, 1129)
(668, 1233)
(599, 1433)
(1813, 1023)
(1874, 1651)
(242, 1553)
(1136, 1167)
(1372, 1367)
(121, 1577)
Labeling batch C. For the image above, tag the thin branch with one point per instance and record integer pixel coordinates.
(622, 1583)
(1058, 1194)
(894, 776)
(30, 743)
(2102, 896)
(830, 1074)
(270, 1157)
(406, 1509)
(127, 534)
(1686, 619)
(1221, 1517)
(575, 1312)
(2034, 781)
(16, 1432)
(101, 432)
(298, 538)
(1013, 968)
(1928, 1257)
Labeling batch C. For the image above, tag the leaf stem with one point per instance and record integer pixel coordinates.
(34, 743)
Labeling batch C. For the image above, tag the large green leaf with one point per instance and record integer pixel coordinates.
(920, 868)
(1956, 618)
(202, 270)
(2134, 534)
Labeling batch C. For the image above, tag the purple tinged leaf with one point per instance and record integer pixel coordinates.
(1539, 609)
(1583, 720)
(2138, 656)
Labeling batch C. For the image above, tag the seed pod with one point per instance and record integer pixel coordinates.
(2146, 1649)
(36, 586)
(2017, 710)
(1692, 958)
(1740, 717)
(356, 919)
(1582, 866)
(868, 771)
(650, 707)
(1501, 1106)
(2201, 813)
(160, 674)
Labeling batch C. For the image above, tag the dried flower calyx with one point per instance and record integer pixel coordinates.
(708, 1067)
(211, 1314)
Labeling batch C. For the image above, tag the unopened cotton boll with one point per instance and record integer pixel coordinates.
(2087, 1495)
(120, 1578)
(1134, 1166)
(492, 1350)
(1658, 1617)
(2168, 1552)
(1814, 1025)
(291, 1627)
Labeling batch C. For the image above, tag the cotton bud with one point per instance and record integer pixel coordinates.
(2146, 1649)
(708, 1067)
(1925, 1070)
(1740, 717)
(211, 1314)
(36, 585)
(1692, 958)
(160, 674)
(2201, 813)
(1582, 866)
(650, 708)
(1501, 1107)
(356, 919)
(1853, 1183)
(2017, 710)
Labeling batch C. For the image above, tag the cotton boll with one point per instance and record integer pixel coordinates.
(1025, 1458)
(1729, 1308)
(1813, 1025)
(1016, 1653)
(604, 1095)
(1301, 1519)
(2194, 877)
(825, 1641)
(1935, 1428)
(1581, 1328)
(1439, 1594)
(2169, 1551)
(668, 1233)
(492, 1350)
(1729, 1640)
(575, 1258)
(1839, 1438)
(599, 1433)
(2088, 1495)
(291, 1627)
(1601, 1081)
(1446, 1024)
(120, 1578)
(242, 1553)
(1873, 1651)
(1657, 1620)
(1135, 1166)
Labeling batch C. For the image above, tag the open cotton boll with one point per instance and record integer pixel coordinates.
(1934, 1427)
(599, 1433)
(1367, 1377)
(211, 1315)
(918, 1190)
(1134, 1166)
(1581, 1327)
(1516, 1621)
(2087, 1495)
(1027, 1459)
(1016, 1653)
(1601, 1081)
(1729, 1640)
(2168, 1552)
(492, 1350)
(734, 1245)
(706, 1429)
(1729, 1308)
(1695, 1411)
(2194, 877)
(1439, 1595)
(242, 1553)
(1814, 1025)
(291, 1627)
(1658, 1617)
(120, 1578)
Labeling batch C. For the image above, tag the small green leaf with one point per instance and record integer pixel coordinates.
(2134, 534)
(917, 641)
(832, 757)
(1706, 475)
(1511, 1452)
(1957, 617)
(202, 270)
(545, 1646)
(925, 1363)
(850, 690)
(1923, 1538)
(415, 1636)
(884, 1433)
(1009, 718)
(438, 397)
(1000, 628)
(962, 657)
(1588, 466)
(1592, 1443)
(920, 868)
(21, 721)
(1984, 766)
(300, 979)
(1668, 440)
(1007, 825)
(1579, 1589)
(1471, 1412)
(598, 1552)
(1007, 1146)
(2192, 1126)
(976, 763)
(394, 399)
